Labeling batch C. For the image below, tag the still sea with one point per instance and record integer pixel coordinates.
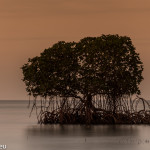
(18, 131)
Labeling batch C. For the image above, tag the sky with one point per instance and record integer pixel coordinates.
(27, 27)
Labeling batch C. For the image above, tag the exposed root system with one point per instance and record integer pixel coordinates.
(74, 111)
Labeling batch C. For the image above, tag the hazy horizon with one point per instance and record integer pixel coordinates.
(28, 27)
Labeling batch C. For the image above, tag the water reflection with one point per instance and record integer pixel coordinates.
(70, 137)
(82, 130)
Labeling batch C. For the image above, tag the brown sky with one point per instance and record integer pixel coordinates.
(27, 27)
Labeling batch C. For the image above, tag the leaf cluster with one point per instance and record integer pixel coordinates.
(107, 64)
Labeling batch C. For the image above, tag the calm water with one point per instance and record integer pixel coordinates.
(19, 132)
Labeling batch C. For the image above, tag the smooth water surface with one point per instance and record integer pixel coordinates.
(19, 132)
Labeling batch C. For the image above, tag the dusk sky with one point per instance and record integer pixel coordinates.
(27, 27)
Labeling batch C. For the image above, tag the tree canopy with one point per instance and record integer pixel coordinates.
(106, 65)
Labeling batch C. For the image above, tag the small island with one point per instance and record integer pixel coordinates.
(93, 81)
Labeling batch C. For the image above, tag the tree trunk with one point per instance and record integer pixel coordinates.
(61, 116)
(114, 105)
(88, 109)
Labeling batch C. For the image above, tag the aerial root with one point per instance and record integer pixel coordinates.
(103, 117)
(78, 114)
